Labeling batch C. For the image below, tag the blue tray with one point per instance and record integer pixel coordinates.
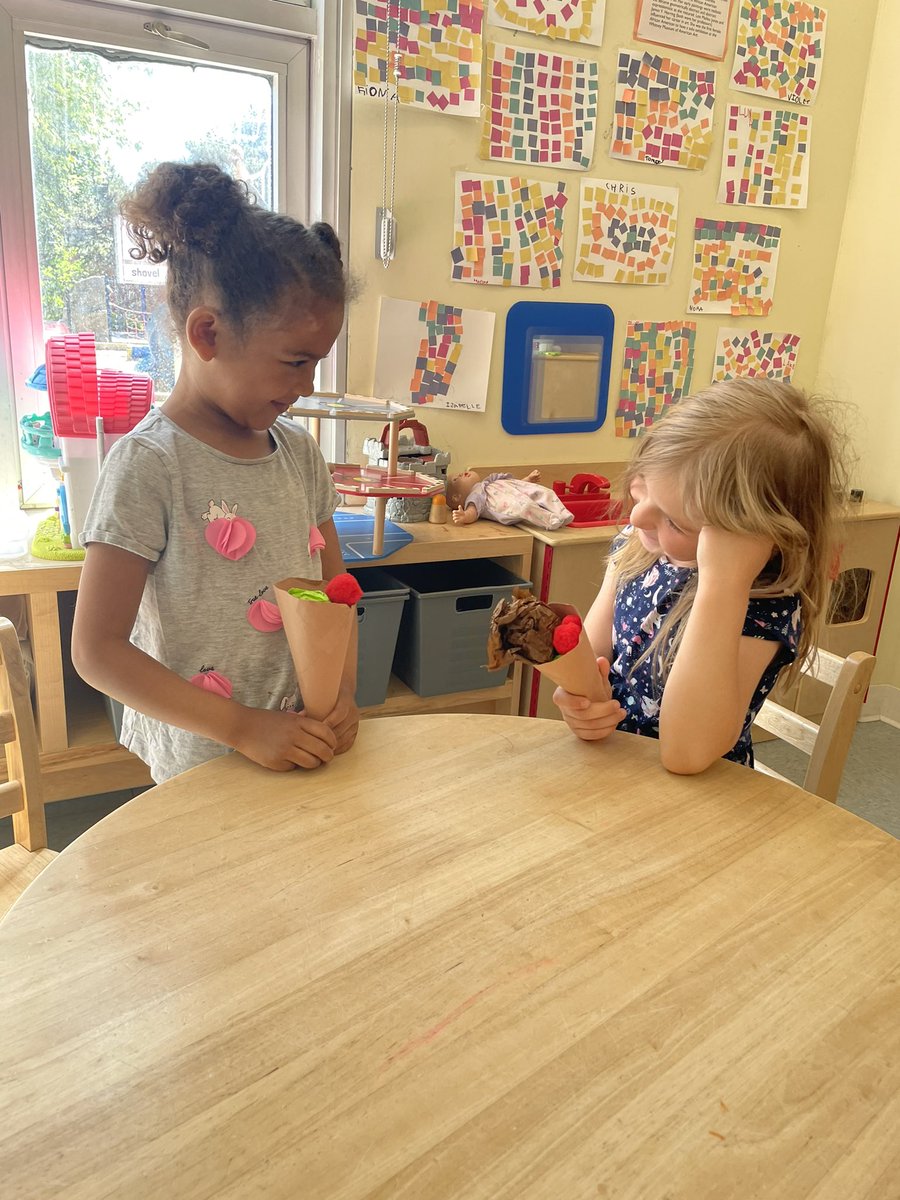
(354, 531)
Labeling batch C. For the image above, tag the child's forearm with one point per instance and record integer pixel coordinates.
(703, 706)
(128, 675)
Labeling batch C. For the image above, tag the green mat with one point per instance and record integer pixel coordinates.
(50, 542)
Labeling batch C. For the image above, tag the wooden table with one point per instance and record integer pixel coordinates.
(473, 958)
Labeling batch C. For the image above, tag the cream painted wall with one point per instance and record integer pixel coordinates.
(433, 147)
(858, 362)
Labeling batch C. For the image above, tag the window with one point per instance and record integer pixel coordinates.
(92, 98)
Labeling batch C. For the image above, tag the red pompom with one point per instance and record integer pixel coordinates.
(572, 619)
(343, 589)
(565, 636)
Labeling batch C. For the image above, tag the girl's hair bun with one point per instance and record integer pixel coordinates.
(188, 204)
(223, 247)
(326, 235)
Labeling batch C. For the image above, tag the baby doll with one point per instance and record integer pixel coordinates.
(506, 499)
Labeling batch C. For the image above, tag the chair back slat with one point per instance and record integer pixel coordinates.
(23, 763)
(824, 666)
(12, 798)
(7, 728)
(789, 726)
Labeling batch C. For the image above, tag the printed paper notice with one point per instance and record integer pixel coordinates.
(698, 26)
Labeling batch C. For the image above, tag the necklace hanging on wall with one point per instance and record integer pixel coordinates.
(385, 224)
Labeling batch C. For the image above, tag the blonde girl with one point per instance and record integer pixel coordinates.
(720, 582)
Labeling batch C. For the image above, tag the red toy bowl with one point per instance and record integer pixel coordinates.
(587, 499)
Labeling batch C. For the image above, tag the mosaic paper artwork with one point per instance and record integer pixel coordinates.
(663, 111)
(626, 232)
(439, 52)
(735, 263)
(431, 353)
(765, 157)
(540, 108)
(779, 47)
(567, 20)
(507, 231)
(656, 372)
(751, 353)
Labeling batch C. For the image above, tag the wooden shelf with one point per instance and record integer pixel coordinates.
(402, 701)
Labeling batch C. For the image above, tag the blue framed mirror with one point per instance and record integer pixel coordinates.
(556, 367)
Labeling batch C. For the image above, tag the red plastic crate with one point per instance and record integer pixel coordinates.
(79, 393)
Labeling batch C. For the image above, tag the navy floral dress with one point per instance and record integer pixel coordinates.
(639, 611)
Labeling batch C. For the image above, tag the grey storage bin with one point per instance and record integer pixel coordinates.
(115, 712)
(442, 644)
(378, 613)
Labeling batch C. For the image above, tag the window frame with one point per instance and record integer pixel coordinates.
(307, 49)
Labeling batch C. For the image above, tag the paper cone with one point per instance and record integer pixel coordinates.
(318, 636)
(577, 672)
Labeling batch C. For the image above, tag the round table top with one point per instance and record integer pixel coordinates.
(474, 957)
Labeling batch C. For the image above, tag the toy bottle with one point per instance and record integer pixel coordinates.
(438, 512)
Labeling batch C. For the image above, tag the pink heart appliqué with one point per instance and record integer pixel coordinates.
(213, 681)
(232, 537)
(265, 616)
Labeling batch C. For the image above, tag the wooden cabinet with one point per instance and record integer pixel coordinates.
(79, 752)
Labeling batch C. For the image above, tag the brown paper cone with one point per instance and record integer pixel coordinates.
(318, 636)
(577, 671)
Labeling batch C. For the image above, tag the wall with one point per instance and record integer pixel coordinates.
(433, 147)
(858, 361)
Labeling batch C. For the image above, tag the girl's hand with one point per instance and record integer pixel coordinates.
(732, 559)
(284, 740)
(344, 720)
(590, 720)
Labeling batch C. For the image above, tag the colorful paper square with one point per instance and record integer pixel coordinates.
(626, 232)
(540, 108)
(752, 354)
(657, 365)
(439, 49)
(663, 111)
(765, 157)
(735, 263)
(779, 48)
(507, 231)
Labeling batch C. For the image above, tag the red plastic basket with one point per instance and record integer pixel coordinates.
(124, 399)
(72, 384)
(79, 393)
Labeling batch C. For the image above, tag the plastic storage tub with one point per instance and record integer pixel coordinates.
(378, 613)
(442, 644)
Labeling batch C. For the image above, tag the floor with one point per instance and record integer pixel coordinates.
(871, 784)
(870, 788)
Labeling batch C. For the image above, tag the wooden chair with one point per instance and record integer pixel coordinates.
(828, 743)
(22, 798)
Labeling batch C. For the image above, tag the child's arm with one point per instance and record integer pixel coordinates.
(716, 670)
(344, 720)
(112, 583)
(592, 721)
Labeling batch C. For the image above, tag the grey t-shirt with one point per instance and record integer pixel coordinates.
(182, 505)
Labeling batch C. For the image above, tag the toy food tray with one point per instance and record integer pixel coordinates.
(378, 481)
(587, 499)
